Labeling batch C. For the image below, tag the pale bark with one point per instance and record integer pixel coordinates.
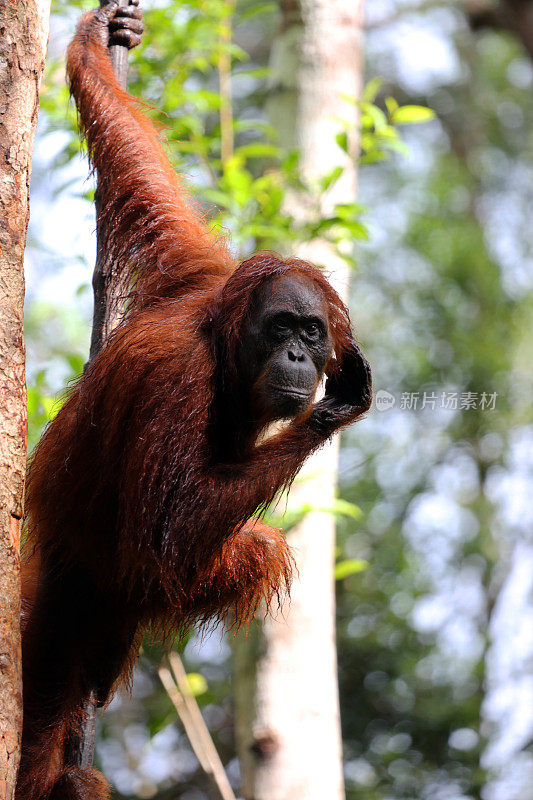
(288, 725)
(23, 39)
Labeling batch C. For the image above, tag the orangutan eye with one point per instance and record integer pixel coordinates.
(313, 331)
(280, 326)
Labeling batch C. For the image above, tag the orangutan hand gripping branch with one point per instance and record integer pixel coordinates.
(144, 492)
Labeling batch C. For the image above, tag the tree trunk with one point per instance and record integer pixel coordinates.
(107, 290)
(288, 726)
(23, 39)
(515, 16)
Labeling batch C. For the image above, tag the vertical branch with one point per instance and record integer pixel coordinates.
(224, 81)
(119, 54)
(197, 731)
(105, 303)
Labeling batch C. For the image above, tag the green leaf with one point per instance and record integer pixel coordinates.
(345, 509)
(238, 53)
(371, 90)
(351, 566)
(340, 508)
(330, 179)
(379, 120)
(197, 683)
(410, 115)
(349, 210)
(373, 157)
(293, 515)
(83, 289)
(256, 10)
(255, 125)
(76, 363)
(160, 721)
(261, 231)
(391, 105)
(396, 145)
(33, 400)
(258, 150)
(342, 140)
(387, 133)
(51, 406)
(219, 198)
(259, 73)
(356, 229)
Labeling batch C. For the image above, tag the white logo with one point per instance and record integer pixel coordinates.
(384, 400)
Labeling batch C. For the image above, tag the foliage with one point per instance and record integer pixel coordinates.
(446, 311)
(175, 70)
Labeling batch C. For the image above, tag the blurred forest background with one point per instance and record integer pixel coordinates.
(435, 634)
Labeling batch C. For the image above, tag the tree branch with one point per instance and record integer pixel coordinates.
(515, 16)
(188, 711)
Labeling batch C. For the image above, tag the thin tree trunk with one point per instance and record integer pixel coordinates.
(288, 726)
(107, 290)
(515, 16)
(23, 39)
